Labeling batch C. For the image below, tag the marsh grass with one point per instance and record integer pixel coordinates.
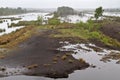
(13, 39)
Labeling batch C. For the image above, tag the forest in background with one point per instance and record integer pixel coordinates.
(11, 11)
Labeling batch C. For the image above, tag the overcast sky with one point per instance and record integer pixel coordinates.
(57, 3)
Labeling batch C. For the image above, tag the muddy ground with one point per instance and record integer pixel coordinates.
(39, 57)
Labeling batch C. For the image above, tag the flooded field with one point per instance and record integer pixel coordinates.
(91, 54)
(34, 16)
(104, 70)
(24, 17)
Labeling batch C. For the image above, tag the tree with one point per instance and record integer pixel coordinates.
(39, 20)
(64, 11)
(98, 12)
(11, 11)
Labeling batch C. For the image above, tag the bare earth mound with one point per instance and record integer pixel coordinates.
(39, 57)
(112, 30)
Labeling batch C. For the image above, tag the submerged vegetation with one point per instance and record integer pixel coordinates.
(11, 18)
(23, 23)
(1, 21)
(2, 30)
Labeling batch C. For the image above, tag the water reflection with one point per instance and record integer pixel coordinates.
(24, 78)
(24, 17)
(103, 71)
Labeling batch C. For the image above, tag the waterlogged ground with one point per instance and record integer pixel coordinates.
(33, 16)
(99, 69)
(24, 17)
(107, 70)
(103, 69)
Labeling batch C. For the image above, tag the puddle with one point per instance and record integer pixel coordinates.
(22, 77)
(5, 71)
(103, 71)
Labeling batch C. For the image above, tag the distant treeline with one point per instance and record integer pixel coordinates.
(112, 10)
(65, 11)
(11, 11)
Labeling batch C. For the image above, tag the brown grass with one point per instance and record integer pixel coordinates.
(54, 62)
(14, 38)
(70, 61)
(55, 59)
(82, 60)
(2, 56)
(32, 66)
(46, 65)
(67, 54)
(64, 57)
(58, 55)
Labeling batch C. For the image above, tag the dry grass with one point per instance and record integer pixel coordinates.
(70, 61)
(46, 65)
(54, 62)
(82, 60)
(57, 55)
(14, 38)
(2, 56)
(32, 66)
(67, 54)
(55, 59)
(64, 57)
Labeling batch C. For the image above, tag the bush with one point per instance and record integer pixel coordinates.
(81, 24)
(39, 20)
(95, 34)
(54, 21)
(90, 25)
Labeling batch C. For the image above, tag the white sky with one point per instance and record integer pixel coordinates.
(57, 3)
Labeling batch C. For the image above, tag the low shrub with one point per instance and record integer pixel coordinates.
(53, 21)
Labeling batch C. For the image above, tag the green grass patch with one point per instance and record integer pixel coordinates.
(103, 38)
(86, 31)
(72, 33)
